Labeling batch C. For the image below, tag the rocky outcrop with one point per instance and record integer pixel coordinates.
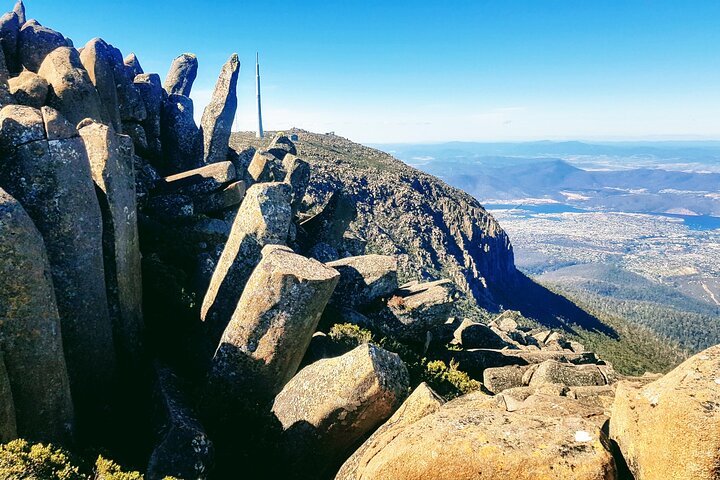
(297, 174)
(9, 32)
(476, 335)
(111, 165)
(331, 404)
(475, 437)
(98, 60)
(421, 403)
(131, 61)
(270, 331)
(35, 42)
(263, 219)
(676, 415)
(71, 91)
(182, 74)
(180, 138)
(30, 335)
(184, 450)
(364, 279)
(52, 180)
(218, 116)
(29, 89)
(153, 96)
(436, 231)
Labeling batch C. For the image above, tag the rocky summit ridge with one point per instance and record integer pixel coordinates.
(199, 304)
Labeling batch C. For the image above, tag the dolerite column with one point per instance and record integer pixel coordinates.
(263, 219)
(111, 165)
(52, 180)
(30, 330)
(270, 330)
(218, 116)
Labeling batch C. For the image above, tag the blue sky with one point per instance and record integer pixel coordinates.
(400, 71)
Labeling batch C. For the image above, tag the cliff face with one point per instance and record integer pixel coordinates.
(434, 230)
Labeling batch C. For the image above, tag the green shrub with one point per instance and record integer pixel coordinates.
(350, 335)
(20, 460)
(108, 470)
(449, 381)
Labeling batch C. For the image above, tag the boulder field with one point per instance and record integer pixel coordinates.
(189, 308)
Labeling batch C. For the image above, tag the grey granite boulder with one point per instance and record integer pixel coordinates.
(35, 42)
(111, 164)
(331, 404)
(218, 116)
(71, 91)
(268, 334)
(180, 137)
(263, 219)
(182, 74)
(297, 174)
(330, 224)
(476, 335)
(552, 371)
(364, 279)
(9, 32)
(98, 61)
(29, 89)
(152, 94)
(30, 335)
(131, 61)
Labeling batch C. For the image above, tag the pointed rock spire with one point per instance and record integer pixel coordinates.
(218, 116)
(182, 74)
(19, 10)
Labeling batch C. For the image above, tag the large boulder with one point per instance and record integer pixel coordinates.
(331, 404)
(476, 335)
(364, 279)
(131, 61)
(218, 116)
(184, 450)
(30, 330)
(111, 163)
(97, 58)
(477, 437)
(670, 428)
(421, 403)
(182, 74)
(52, 180)
(9, 32)
(330, 224)
(180, 137)
(271, 328)
(497, 379)
(297, 174)
(152, 94)
(415, 309)
(552, 371)
(35, 42)
(71, 91)
(29, 89)
(263, 219)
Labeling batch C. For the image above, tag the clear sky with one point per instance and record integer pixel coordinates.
(401, 71)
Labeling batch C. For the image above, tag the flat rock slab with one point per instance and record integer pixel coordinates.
(364, 279)
(200, 180)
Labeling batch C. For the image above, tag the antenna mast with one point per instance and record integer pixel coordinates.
(257, 89)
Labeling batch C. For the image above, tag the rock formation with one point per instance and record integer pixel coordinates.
(30, 330)
(218, 116)
(292, 291)
(52, 181)
(331, 404)
(268, 334)
(182, 74)
(111, 165)
(263, 219)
